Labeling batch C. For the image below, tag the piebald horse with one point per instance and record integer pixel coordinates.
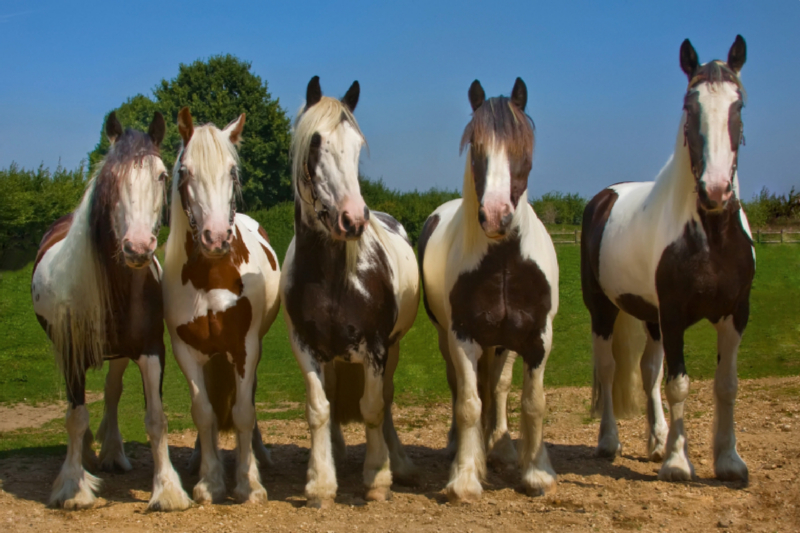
(221, 280)
(668, 254)
(350, 289)
(96, 291)
(490, 280)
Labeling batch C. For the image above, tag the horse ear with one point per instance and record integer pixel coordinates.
(113, 128)
(350, 99)
(313, 92)
(737, 55)
(689, 61)
(157, 129)
(234, 129)
(519, 95)
(185, 125)
(476, 95)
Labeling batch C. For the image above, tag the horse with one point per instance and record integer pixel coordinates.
(490, 283)
(350, 291)
(96, 289)
(221, 281)
(667, 254)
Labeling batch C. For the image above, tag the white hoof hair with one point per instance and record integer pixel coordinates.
(168, 495)
(74, 490)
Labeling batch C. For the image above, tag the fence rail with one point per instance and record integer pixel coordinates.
(783, 236)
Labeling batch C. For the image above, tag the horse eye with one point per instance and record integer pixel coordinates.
(162, 176)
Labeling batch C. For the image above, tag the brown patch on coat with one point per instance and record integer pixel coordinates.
(503, 302)
(595, 216)
(55, 233)
(217, 273)
(223, 332)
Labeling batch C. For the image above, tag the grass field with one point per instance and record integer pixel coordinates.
(771, 347)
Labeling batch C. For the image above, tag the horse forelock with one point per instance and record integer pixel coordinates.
(714, 73)
(499, 122)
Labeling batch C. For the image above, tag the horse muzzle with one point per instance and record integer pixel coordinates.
(137, 253)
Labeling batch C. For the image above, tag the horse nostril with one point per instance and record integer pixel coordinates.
(482, 215)
(229, 235)
(347, 222)
(127, 247)
(207, 236)
(507, 219)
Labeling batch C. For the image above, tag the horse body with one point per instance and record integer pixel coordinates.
(96, 290)
(490, 277)
(350, 288)
(670, 253)
(221, 296)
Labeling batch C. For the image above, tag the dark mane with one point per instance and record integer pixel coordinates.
(129, 150)
(499, 120)
(715, 72)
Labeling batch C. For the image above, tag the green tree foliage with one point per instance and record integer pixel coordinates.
(559, 208)
(218, 90)
(767, 209)
(32, 200)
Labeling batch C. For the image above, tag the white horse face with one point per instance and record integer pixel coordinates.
(136, 215)
(208, 176)
(713, 123)
(330, 180)
(500, 136)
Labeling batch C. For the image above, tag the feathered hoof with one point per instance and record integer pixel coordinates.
(116, 463)
(247, 494)
(730, 467)
(319, 503)
(408, 475)
(378, 494)
(464, 490)
(206, 492)
(503, 453)
(609, 447)
(656, 455)
(539, 483)
(74, 493)
(168, 498)
(676, 468)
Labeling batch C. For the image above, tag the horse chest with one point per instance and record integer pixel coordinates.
(503, 302)
(338, 317)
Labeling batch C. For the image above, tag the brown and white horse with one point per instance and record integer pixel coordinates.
(96, 292)
(350, 289)
(667, 254)
(221, 282)
(490, 278)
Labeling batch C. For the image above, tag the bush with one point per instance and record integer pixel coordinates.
(32, 200)
(767, 209)
(559, 208)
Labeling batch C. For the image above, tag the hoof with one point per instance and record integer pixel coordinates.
(74, 492)
(464, 491)
(503, 452)
(319, 503)
(118, 464)
(205, 493)
(378, 494)
(407, 476)
(539, 483)
(730, 467)
(676, 468)
(251, 495)
(168, 495)
(609, 447)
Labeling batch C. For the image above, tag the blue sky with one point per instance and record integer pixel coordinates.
(605, 87)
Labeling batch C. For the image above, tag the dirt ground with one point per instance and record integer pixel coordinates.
(592, 494)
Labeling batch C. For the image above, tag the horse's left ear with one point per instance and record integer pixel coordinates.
(689, 61)
(350, 99)
(234, 130)
(519, 95)
(157, 129)
(113, 128)
(737, 54)
(185, 125)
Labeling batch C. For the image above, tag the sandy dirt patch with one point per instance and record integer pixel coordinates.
(592, 494)
(22, 415)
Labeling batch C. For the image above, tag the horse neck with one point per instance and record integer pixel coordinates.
(675, 187)
(178, 226)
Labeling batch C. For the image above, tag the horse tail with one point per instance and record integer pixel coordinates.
(220, 380)
(345, 391)
(627, 345)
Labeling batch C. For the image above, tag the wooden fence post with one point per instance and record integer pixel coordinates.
(576, 236)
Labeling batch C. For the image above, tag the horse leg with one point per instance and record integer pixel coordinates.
(248, 481)
(608, 444)
(74, 488)
(403, 470)
(499, 446)
(676, 466)
(321, 486)
(168, 493)
(652, 367)
(337, 438)
(469, 465)
(112, 452)
(728, 466)
(262, 453)
(452, 382)
(211, 487)
(377, 470)
(538, 476)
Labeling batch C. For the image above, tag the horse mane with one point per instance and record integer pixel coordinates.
(83, 309)
(325, 115)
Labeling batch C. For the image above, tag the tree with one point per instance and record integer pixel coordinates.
(219, 90)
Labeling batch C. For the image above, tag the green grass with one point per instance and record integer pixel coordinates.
(771, 347)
